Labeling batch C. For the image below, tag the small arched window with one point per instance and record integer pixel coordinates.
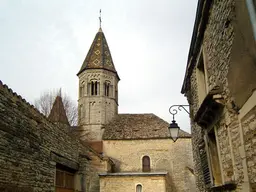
(146, 164)
(139, 188)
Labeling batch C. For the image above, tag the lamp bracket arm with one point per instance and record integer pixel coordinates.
(173, 110)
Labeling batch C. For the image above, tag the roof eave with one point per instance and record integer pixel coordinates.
(99, 69)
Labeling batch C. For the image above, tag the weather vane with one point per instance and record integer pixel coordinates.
(100, 18)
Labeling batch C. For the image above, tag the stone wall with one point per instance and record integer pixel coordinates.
(220, 48)
(248, 123)
(165, 155)
(98, 109)
(196, 134)
(30, 147)
(129, 183)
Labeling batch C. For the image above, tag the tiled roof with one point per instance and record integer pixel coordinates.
(138, 126)
(58, 113)
(99, 56)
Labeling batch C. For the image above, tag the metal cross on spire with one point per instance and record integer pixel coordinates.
(100, 18)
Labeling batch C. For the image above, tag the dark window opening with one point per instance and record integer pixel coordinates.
(95, 87)
(106, 85)
(146, 164)
(92, 88)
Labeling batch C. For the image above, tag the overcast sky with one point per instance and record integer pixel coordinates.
(44, 42)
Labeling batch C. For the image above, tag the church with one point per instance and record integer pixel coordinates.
(106, 152)
(145, 157)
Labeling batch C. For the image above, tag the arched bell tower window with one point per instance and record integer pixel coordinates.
(94, 87)
(107, 88)
(146, 164)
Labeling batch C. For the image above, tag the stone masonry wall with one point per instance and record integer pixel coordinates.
(196, 133)
(99, 109)
(165, 155)
(217, 44)
(129, 183)
(217, 47)
(249, 128)
(27, 140)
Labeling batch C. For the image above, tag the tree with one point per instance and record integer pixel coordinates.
(45, 101)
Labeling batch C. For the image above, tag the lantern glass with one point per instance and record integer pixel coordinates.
(174, 130)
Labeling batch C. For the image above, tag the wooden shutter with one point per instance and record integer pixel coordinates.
(60, 178)
(64, 181)
(204, 164)
(69, 181)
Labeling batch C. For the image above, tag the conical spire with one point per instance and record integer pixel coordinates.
(58, 113)
(99, 56)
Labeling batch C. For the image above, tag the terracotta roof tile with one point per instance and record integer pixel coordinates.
(138, 126)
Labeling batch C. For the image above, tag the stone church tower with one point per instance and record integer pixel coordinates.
(98, 90)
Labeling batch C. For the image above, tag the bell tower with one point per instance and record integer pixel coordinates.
(98, 90)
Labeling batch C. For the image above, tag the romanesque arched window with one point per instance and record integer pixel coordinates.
(106, 88)
(146, 164)
(139, 188)
(94, 87)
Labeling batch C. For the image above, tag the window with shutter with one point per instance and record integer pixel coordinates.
(214, 158)
(204, 165)
(210, 160)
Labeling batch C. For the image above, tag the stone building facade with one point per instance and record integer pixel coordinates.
(107, 151)
(129, 138)
(144, 156)
(220, 85)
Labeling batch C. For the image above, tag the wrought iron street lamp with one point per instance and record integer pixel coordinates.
(174, 127)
